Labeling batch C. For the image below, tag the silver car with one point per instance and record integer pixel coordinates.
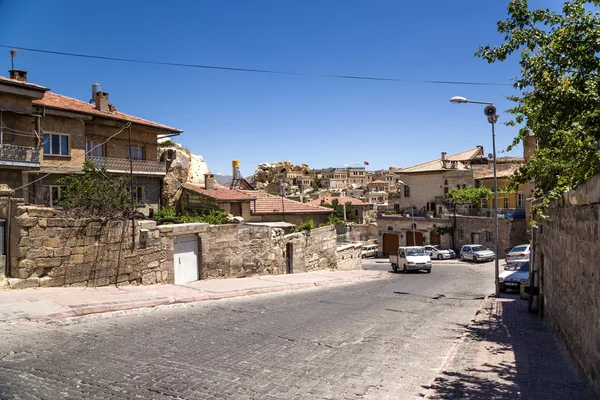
(518, 253)
(439, 252)
(476, 253)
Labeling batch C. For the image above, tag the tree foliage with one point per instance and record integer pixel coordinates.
(338, 210)
(212, 217)
(471, 195)
(94, 194)
(559, 85)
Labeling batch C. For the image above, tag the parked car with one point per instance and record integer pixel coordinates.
(515, 275)
(518, 253)
(476, 253)
(413, 258)
(369, 250)
(439, 252)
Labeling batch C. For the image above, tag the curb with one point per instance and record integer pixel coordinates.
(453, 352)
(106, 308)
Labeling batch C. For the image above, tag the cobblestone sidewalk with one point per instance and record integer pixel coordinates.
(508, 353)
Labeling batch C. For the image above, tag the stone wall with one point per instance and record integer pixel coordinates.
(567, 250)
(511, 232)
(50, 250)
(349, 257)
(47, 250)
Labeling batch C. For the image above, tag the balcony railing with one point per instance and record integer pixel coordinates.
(515, 213)
(121, 165)
(20, 156)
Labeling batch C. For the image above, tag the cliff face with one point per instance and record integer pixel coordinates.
(266, 173)
(184, 168)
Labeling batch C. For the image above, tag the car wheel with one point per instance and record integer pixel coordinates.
(429, 271)
(439, 257)
(394, 268)
(405, 270)
(375, 255)
(363, 256)
(462, 257)
(475, 260)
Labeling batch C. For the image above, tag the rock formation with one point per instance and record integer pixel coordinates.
(184, 167)
(266, 173)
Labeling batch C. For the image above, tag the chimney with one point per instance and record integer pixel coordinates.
(101, 100)
(209, 181)
(443, 156)
(18, 75)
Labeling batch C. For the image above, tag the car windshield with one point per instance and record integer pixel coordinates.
(478, 248)
(520, 267)
(416, 252)
(519, 249)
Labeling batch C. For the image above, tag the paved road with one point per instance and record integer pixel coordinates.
(383, 339)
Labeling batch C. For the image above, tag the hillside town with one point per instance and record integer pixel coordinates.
(468, 275)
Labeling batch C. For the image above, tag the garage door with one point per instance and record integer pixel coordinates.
(186, 259)
(391, 242)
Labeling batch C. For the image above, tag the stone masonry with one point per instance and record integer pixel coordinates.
(567, 250)
(50, 250)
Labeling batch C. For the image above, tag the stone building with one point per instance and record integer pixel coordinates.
(359, 206)
(397, 230)
(46, 136)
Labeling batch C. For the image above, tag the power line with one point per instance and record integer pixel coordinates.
(262, 71)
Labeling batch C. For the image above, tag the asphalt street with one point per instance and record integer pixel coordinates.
(381, 339)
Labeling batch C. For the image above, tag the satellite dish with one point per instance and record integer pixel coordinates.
(354, 186)
(490, 156)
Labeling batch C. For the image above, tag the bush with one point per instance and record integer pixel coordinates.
(214, 217)
(305, 226)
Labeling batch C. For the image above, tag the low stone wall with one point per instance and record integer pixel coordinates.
(55, 251)
(349, 257)
(50, 250)
(567, 254)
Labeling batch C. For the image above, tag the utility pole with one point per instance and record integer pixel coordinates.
(131, 190)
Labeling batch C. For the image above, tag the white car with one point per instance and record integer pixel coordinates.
(439, 252)
(476, 253)
(518, 253)
(515, 275)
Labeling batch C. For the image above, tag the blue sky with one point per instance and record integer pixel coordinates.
(262, 117)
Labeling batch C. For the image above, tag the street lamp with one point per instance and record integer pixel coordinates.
(492, 117)
(412, 215)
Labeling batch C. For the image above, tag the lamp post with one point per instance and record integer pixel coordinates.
(412, 215)
(492, 117)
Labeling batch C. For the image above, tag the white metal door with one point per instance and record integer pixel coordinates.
(186, 259)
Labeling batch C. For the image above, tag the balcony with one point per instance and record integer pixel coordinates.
(19, 156)
(121, 165)
(511, 213)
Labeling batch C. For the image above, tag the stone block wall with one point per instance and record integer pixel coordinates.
(511, 232)
(52, 251)
(349, 257)
(567, 254)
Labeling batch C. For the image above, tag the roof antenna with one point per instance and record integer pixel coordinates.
(13, 54)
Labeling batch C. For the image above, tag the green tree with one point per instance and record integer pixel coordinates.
(470, 195)
(94, 194)
(559, 96)
(338, 210)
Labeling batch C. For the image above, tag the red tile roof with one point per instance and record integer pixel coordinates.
(218, 193)
(269, 204)
(341, 200)
(53, 100)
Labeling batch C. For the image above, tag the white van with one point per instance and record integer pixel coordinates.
(413, 258)
(369, 250)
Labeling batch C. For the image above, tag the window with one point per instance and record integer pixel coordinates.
(54, 195)
(458, 186)
(138, 195)
(464, 186)
(505, 202)
(520, 200)
(94, 148)
(445, 181)
(56, 144)
(488, 236)
(406, 191)
(445, 190)
(461, 234)
(137, 152)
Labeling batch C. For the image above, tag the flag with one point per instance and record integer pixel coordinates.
(366, 163)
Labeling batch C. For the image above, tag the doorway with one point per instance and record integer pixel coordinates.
(289, 258)
(436, 238)
(186, 259)
(418, 239)
(391, 242)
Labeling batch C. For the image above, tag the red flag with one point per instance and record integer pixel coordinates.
(366, 163)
